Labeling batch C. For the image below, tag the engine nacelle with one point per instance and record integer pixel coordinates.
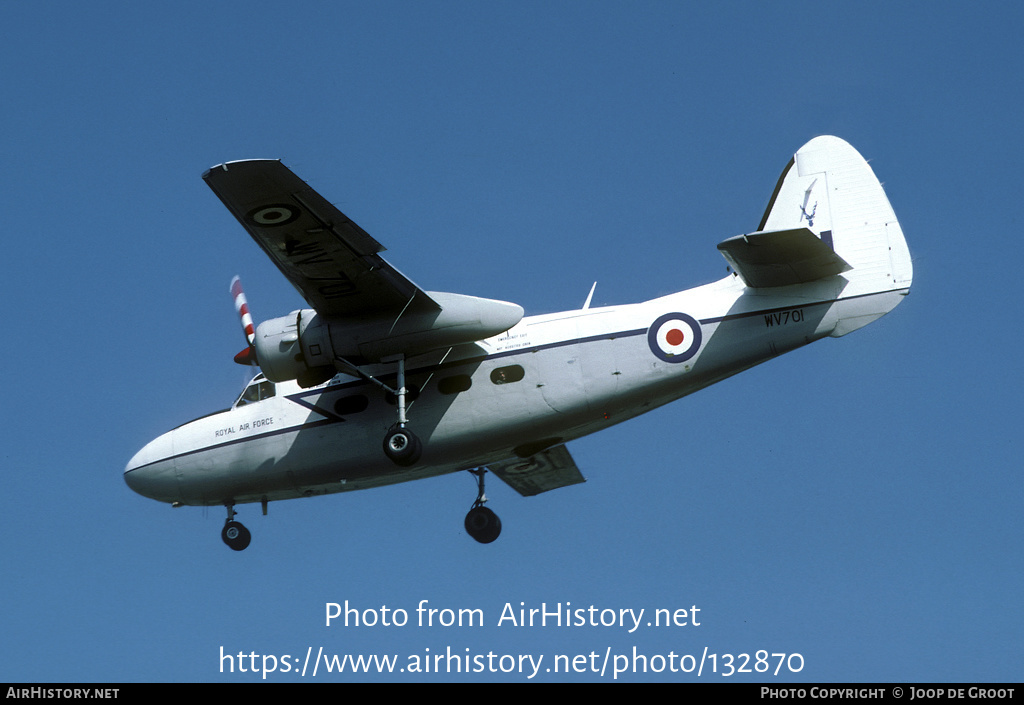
(279, 350)
(304, 346)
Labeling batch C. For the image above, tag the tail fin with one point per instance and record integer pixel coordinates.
(829, 190)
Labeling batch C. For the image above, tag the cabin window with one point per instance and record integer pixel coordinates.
(351, 404)
(507, 375)
(454, 384)
(256, 391)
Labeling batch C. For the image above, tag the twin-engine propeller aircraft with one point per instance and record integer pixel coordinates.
(381, 382)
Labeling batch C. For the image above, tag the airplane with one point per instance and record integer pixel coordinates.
(381, 382)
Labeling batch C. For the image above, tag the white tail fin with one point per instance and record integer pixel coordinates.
(829, 189)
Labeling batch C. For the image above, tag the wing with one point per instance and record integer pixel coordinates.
(781, 257)
(331, 261)
(547, 470)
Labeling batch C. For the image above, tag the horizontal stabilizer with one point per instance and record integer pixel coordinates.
(544, 471)
(781, 257)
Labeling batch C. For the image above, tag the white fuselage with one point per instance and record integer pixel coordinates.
(550, 379)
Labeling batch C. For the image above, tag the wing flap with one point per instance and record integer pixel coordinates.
(781, 257)
(333, 262)
(541, 472)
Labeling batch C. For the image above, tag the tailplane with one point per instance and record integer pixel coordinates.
(829, 217)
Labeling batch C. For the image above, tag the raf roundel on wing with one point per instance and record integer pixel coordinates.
(674, 337)
(270, 216)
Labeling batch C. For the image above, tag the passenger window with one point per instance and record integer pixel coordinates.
(454, 384)
(351, 405)
(507, 375)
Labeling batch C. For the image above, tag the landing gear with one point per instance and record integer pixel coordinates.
(402, 446)
(234, 534)
(481, 523)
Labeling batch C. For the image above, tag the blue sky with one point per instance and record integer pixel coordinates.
(856, 501)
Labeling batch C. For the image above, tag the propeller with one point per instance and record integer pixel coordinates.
(247, 356)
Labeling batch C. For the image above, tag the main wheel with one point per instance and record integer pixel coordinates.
(236, 536)
(402, 446)
(483, 524)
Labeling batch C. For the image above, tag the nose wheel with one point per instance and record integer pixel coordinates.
(481, 523)
(234, 533)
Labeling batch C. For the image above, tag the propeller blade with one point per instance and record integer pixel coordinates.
(247, 356)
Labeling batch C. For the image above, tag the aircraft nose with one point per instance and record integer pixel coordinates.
(150, 472)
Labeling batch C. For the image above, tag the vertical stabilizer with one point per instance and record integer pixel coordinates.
(829, 189)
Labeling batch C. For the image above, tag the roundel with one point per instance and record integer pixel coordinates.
(674, 337)
(269, 216)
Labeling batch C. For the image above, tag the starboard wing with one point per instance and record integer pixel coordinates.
(333, 262)
(547, 470)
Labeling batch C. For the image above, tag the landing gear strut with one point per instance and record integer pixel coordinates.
(234, 534)
(481, 523)
(400, 444)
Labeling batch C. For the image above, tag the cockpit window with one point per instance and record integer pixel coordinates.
(257, 390)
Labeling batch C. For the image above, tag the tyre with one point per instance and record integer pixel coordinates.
(402, 446)
(236, 536)
(483, 524)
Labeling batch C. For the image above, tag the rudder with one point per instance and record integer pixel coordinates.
(831, 190)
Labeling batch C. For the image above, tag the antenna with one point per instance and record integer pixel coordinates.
(586, 304)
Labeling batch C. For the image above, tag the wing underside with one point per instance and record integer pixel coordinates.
(544, 471)
(333, 262)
